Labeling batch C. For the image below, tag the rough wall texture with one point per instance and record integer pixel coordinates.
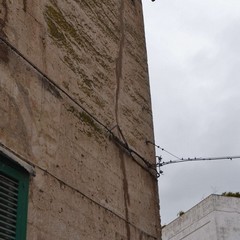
(70, 71)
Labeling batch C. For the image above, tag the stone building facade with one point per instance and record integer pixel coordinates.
(75, 114)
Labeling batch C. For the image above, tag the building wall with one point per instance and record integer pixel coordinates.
(75, 98)
(227, 217)
(216, 217)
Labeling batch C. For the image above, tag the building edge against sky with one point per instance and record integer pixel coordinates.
(75, 115)
(216, 217)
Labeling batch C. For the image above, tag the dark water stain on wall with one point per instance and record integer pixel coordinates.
(24, 5)
(119, 59)
(4, 51)
(126, 193)
(3, 19)
(16, 128)
(50, 87)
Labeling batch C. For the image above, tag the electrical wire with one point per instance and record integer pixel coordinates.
(200, 159)
(180, 160)
(173, 155)
(115, 138)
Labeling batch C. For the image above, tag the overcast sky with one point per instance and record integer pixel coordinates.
(194, 66)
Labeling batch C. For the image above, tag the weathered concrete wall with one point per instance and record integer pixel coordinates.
(60, 61)
(216, 218)
(227, 217)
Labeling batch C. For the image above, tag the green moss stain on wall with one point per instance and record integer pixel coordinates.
(74, 44)
(63, 34)
(105, 20)
(86, 119)
(59, 27)
(70, 37)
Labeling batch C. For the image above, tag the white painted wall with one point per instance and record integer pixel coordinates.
(216, 218)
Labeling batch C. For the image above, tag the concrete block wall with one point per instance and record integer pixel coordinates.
(70, 71)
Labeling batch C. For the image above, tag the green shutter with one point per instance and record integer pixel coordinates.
(13, 200)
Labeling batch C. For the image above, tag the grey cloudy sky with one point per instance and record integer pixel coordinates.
(194, 64)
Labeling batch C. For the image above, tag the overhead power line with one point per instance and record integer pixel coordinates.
(160, 163)
(197, 159)
(163, 149)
